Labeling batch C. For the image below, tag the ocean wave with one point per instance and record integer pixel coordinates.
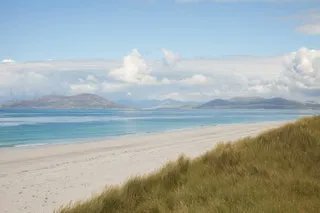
(17, 121)
(30, 145)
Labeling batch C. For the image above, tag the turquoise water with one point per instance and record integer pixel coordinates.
(30, 127)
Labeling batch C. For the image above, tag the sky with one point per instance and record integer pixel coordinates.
(189, 50)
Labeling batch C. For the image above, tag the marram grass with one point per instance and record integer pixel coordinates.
(278, 171)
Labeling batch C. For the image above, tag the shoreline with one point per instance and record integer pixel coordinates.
(42, 178)
(58, 142)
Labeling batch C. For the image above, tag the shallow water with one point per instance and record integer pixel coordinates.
(32, 127)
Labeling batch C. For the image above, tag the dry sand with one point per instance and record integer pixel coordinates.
(41, 179)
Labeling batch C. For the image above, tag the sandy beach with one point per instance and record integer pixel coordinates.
(42, 178)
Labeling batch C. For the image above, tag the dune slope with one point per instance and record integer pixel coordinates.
(278, 171)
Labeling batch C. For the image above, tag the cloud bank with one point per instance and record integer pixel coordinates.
(294, 75)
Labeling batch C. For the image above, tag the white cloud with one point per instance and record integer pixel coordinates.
(295, 75)
(62, 66)
(300, 77)
(7, 61)
(248, 66)
(91, 84)
(303, 69)
(261, 88)
(196, 79)
(14, 80)
(92, 78)
(109, 87)
(310, 29)
(166, 81)
(310, 23)
(96, 87)
(82, 88)
(170, 58)
(133, 70)
(15, 84)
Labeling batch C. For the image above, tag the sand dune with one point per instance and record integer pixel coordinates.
(40, 179)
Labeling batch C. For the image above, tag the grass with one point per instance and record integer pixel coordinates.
(278, 171)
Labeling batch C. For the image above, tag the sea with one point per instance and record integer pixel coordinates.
(20, 128)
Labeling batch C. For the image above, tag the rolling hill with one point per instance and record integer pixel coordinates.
(81, 101)
(257, 103)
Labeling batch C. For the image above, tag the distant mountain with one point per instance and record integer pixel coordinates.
(91, 101)
(258, 103)
(158, 104)
(82, 101)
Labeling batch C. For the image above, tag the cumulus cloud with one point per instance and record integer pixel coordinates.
(170, 58)
(303, 69)
(133, 70)
(300, 76)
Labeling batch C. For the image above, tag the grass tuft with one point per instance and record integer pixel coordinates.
(278, 171)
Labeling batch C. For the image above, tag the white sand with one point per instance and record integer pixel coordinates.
(40, 179)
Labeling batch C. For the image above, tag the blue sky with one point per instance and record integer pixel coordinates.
(189, 50)
(77, 29)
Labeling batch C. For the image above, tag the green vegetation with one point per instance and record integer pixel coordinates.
(278, 171)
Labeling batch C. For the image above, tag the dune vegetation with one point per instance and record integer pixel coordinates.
(278, 171)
